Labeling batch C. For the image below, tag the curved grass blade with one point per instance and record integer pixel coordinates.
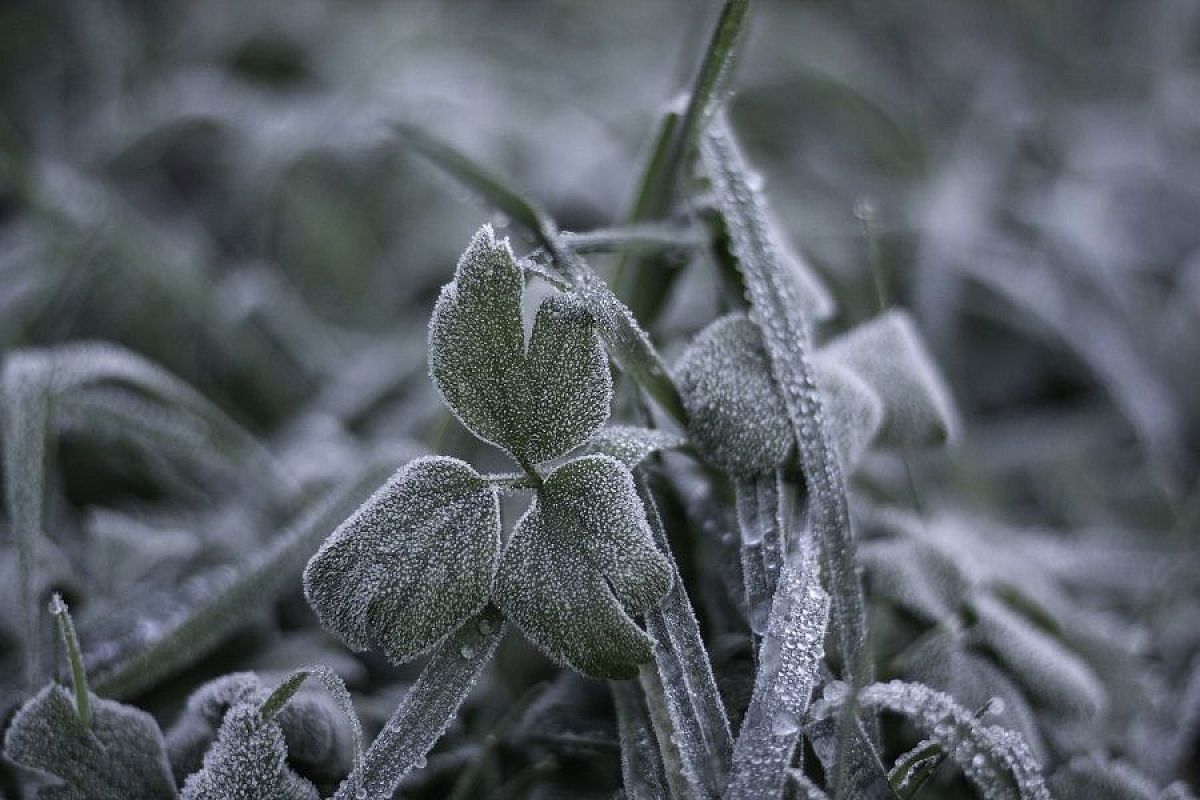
(628, 344)
(790, 656)
(994, 759)
(273, 570)
(776, 309)
(427, 708)
(690, 694)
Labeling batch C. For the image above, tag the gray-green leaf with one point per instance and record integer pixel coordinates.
(119, 757)
(412, 563)
(539, 403)
(248, 762)
(580, 561)
(736, 415)
(889, 355)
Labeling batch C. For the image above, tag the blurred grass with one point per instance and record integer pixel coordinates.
(216, 186)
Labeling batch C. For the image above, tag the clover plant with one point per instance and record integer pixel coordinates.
(735, 572)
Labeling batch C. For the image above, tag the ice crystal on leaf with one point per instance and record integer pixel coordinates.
(414, 562)
(537, 403)
(580, 561)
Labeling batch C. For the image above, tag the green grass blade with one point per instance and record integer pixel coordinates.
(26, 397)
(789, 661)
(642, 280)
(690, 691)
(641, 765)
(428, 708)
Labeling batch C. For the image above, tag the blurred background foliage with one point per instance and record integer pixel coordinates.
(215, 185)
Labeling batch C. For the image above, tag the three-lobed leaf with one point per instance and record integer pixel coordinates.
(412, 563)
(119, 756)
(580, 561)
(537, 402)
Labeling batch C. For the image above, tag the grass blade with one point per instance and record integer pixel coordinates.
(642, 279)
(641, 765)
(427, 709)
(690, 691)
(26, 397)
(790, 656)
(994, 759)
(776, 309)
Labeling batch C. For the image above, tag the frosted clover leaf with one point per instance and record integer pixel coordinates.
(537, 403)
(879, 385)
(412, 563)
(580, 561)
(119, 756)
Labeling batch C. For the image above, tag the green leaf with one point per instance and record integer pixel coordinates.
(580, 561)
(249, 759)
(737, 419)
(119, 757)
(567, 379)
(890, 357)
(539, 404)
(412, 563)
(630, 444)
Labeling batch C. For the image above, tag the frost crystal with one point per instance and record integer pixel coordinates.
(580, 561)
(414, 562)
(539, 403)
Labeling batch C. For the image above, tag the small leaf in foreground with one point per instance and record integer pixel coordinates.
(248, 760)
(414, 562)
(580, 561)
(119, 757)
